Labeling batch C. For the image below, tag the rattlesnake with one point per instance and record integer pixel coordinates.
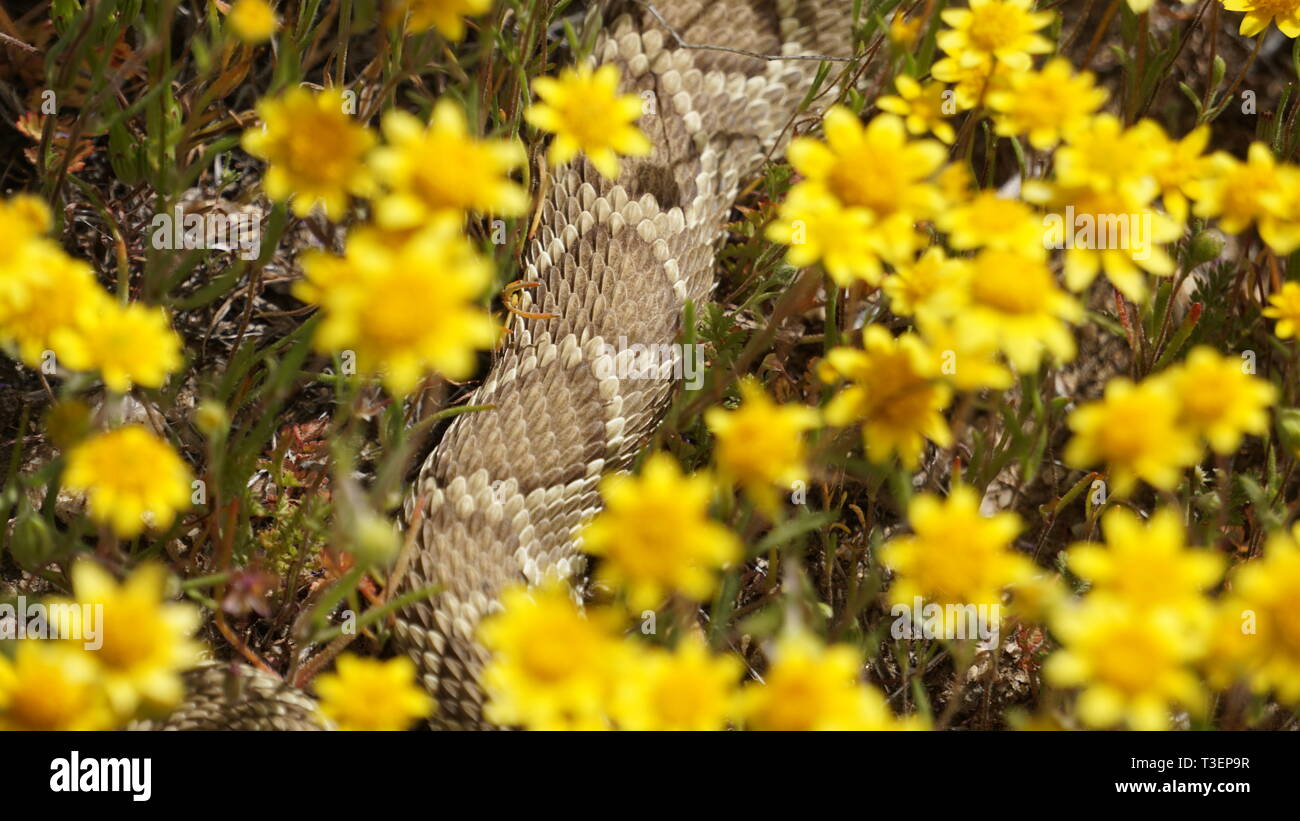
(506, 491)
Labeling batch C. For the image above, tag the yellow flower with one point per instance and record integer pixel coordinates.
(925, 108)
(585, 112)
(1001, 29)
(812, 687)
(760, 444)
(973, 78)
(44, 297)
(551, 667)
(469, 175)
(1140, 6)
(253, 21)
(51, 686)
(818, 228)
(1015, 301)
(990, 221)
(877, 168)
(1259, 191)
(404, 306)
(1220, 401)
(1148, 565)
(1046, 105)
(23, 219)
(1107, 231)
(133, 479)
(315, 152)
(1229, 657)
(903, 32)
(1259, 13)
(969, 361)
(1036, 598)
(447, 16)
(128, 344)
(147, 641)
(369, 694)
(893, 393)
(1179, 166)
(1135, 430)
(932, 286)
(1132, 664)
(956, 184)
(1284, 306)
(955, 555)
(655, 535)
(1104, 156)
(685, 689)
(1264, 600)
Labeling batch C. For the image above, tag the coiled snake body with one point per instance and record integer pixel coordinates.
(506, 491)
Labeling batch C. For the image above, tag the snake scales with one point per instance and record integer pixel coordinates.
(506, 491)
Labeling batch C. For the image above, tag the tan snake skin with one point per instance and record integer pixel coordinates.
(507, 490)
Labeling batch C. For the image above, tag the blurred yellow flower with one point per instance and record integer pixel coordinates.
(925, 108)
(1234, 628)
(1133, 664)
(809, 686)
(51, 685)
(1135, 431)
(1179, 166)
(1285, 14)
(1103, 156)
(1220, 401)
(585, 112)
(1036, 598)
(1264, 597)
(469, 175)
(955, 555)
(935, 285)
(760, 444)
(147, 641)
(1046, 105)
(893, 392)
(1002, 29)
(253, 21)
(132, 479)
(23, 218)
(685, 689)
(1259, 191)
(447, 16)
(655, 535)
(990, 221)
(315, 151)
(1284, 306)
(903, 32)
(967, 360)
(45, 295)
(370, 694)
(1015, 300)
(1104, 231)
(404, 306)
(551, 667)
(128, 344)
(1148, 565)
(973, 78)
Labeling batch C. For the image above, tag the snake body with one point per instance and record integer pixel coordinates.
(502, 498)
